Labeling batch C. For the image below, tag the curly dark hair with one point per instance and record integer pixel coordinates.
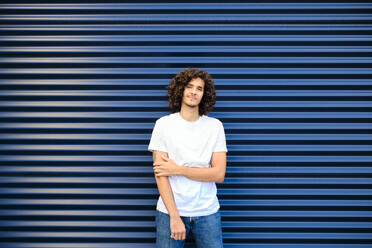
(177, 85)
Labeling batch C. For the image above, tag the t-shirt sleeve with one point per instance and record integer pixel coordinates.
(221, 140)
(157, 142)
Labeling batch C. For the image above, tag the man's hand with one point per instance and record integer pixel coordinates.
(166, 168)
(177, 227)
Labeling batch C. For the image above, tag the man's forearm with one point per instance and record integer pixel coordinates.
(165, 188)
(213, 174)
(166, 194)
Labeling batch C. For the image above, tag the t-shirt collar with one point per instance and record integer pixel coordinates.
(191, 123)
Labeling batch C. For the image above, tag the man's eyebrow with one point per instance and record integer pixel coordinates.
(191, 84)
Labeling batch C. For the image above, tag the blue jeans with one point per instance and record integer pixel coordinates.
(206, 230)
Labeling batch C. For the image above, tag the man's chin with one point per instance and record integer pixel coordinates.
(192, 105)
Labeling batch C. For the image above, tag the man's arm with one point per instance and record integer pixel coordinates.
(177, 227)
(214, 174)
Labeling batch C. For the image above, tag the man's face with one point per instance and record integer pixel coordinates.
(193, 92)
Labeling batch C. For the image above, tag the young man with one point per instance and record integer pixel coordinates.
(189, 153)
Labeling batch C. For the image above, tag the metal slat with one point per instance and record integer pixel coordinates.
(265, 50)
(194, 6)
(152, 202)
(184, 60)
(245, 72)
(146, 245)
(161, 82)
(186, 38)
(49, 127)
(157, 93)
(194, 18)
(220, 104)
(250, 170)
(244, 181)
(185, 27)
(141, 192)
(241, 224)
(232, 148)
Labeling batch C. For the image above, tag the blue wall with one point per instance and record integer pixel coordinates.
(83, 83)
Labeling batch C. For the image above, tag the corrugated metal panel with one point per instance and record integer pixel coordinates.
(82, 85)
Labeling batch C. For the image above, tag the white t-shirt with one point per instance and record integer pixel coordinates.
(190, 144)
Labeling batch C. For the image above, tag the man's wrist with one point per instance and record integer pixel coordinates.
(180, 170)
(174, 215)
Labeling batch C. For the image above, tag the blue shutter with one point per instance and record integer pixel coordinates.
(83, 83)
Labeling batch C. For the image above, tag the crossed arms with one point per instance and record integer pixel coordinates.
(165, 166)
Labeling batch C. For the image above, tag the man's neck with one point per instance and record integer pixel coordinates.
(189, 113)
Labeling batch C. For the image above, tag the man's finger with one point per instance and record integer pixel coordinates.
(174, 236)
(178, 237)
(158, 173)
(164, 157)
